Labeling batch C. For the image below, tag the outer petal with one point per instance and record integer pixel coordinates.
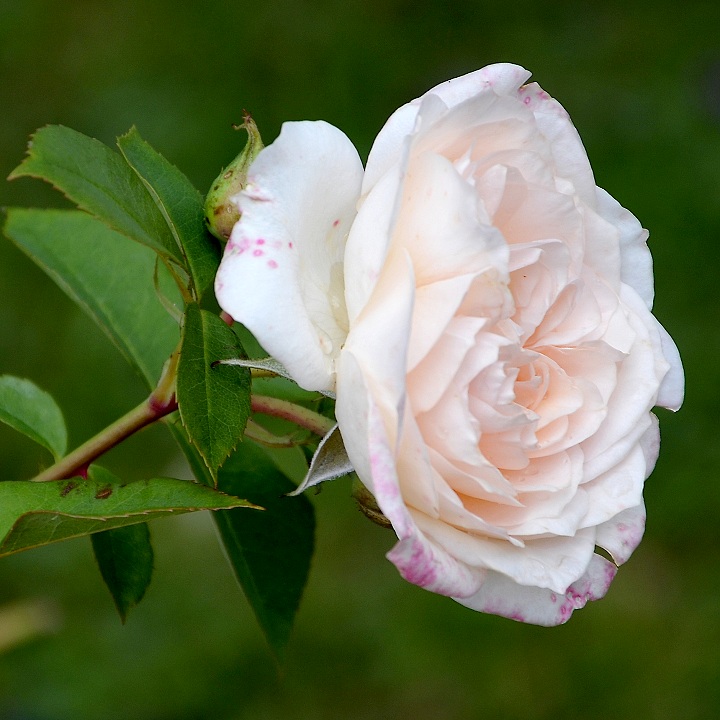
(621, 535)
(419, 560)
(636, 261)
(672, 389)
(569, 156)
(281, 275)
(499, 595)
(502, 78)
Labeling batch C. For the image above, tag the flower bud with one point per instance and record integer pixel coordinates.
(221, 210)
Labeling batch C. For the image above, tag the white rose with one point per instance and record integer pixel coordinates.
(483, 311)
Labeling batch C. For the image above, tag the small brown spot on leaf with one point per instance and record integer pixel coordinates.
(69, 487)
(103, 493)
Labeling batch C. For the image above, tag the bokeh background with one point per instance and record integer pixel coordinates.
(642, 83)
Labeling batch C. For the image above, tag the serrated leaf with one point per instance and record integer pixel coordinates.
(34, 514)
(330, 461)
(270, 552)
(214, 400)
(125, 558)
(109, 276)
(180, 204)
(99, 181)
(33, 412)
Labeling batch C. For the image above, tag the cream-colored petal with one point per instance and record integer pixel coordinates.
(281, 274)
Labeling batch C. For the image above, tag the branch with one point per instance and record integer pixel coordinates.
(161, 402)
(287, 410)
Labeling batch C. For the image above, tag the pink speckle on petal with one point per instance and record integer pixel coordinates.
(240, 246)
(260, 241)
(290, 245)
(527, 100)
(272, 264)
(336, 223)
(258, 253)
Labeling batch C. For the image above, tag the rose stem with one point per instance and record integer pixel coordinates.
(161, 402)
(287, 410)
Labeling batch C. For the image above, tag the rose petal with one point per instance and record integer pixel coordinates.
(501, 79)
(281, 274)
(570, 159)
(621, 535)
(501, 596)
(368, 241)
(552, 562)
(438, 225)
(636, 266)
(672, 388)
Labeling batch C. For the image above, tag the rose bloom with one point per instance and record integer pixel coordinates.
(483, 311)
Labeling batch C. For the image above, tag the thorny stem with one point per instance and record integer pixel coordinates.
(162, 402)
(287, 410)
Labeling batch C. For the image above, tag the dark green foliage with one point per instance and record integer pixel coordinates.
(125, 558)
(269, 551)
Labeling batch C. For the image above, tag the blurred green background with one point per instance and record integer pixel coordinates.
(642, 83)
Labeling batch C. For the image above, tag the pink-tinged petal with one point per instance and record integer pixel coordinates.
(548, 562)
(569, 157)
(499, 595)
(427, 565)
(621, 535)
(281, 275)
(435, 306)
(418, 560)
(500, 79)
(617, 489)
(370, 450)
(438, 225)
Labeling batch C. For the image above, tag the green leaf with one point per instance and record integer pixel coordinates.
(98, 180)
(181, 205)
(125, 558)
(214, 399)
(270, 552)
(34, 514)
(109, 276)
(33, 412)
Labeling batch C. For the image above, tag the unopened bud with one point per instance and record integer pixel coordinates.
(221, 213)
